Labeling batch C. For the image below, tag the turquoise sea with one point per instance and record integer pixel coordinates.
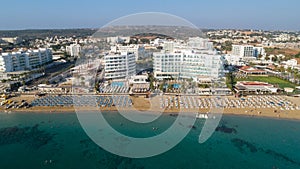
(57, 141)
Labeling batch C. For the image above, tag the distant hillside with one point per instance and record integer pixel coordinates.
(162, 31)
(43, 33)
(180, 32)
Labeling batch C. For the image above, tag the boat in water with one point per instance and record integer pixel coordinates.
(202, 116)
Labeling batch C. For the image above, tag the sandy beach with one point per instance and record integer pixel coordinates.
(143, 105)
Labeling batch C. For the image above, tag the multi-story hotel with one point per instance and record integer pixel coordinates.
(196, 59)
(24, 60)
(119, 65)
(188, 64)
(244, 51)
(137, 50)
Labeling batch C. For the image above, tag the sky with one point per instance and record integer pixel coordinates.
(215, 14)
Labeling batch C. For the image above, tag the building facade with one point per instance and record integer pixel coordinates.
(137, 50)
(199, 43)
(119, 65)
(73, 50)
(247, 52)
(188, 64)
(118, 39)
(24, 60)
(244, 51)
(259, 51)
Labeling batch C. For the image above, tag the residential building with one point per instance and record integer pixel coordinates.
(118, 39)
(73, 50)
(119, 65)
(13, 40)
(234, 60)
(199, 43)
(292, 63)
(168, 46)
(243, 51)
(24, 60)
(246, 52)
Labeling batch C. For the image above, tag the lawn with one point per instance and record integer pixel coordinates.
(272, 80)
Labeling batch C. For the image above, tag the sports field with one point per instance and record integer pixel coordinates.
(269, 79)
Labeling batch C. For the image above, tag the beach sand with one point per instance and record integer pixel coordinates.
(142, 104)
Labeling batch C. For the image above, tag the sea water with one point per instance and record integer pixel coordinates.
(57, 141)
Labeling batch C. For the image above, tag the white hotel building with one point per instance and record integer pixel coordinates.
(24, 60)
(244, 53)
(137, 50)
(119, 65)
(198, 60)
(247, 52)
(188, 64)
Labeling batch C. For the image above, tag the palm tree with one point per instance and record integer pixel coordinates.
(96, 86)
(296, 76)
(289, 70)
(23, 83)
(293, 73)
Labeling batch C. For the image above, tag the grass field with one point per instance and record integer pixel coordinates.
(272, 80)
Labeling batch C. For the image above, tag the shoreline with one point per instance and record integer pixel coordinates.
(142, 104)
(244, 112)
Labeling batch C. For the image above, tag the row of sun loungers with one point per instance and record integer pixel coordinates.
(191, 102)
(114, 89)
(96, 101)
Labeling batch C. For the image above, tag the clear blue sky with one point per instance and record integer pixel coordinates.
(253, 14)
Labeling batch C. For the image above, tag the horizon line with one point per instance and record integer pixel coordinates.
(91, 28)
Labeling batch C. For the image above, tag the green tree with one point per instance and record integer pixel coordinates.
(23, 82)
(230, 80)
(275, 59)
(289, 70)
(96, 87)
(226, 46)
(281, 69)
(267, 58)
